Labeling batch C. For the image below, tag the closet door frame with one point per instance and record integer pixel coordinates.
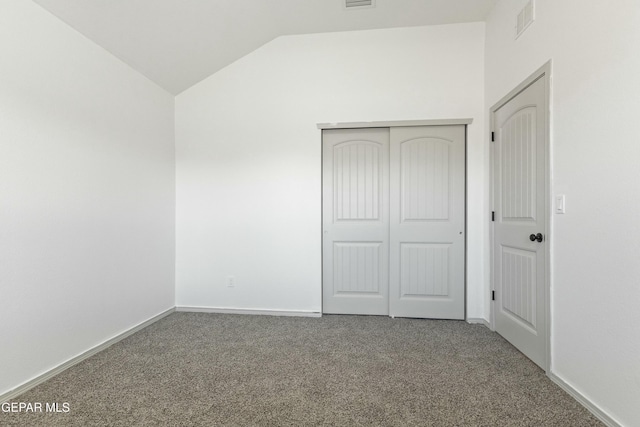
(391, 124)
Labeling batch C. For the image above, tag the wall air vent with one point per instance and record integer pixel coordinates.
(525, 18)
(358, 4)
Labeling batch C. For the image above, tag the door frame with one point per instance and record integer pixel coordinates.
(389, 124)
(543, 72)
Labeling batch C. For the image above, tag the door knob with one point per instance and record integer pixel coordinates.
(539, 237)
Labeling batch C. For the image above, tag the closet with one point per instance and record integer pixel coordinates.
(394, 219)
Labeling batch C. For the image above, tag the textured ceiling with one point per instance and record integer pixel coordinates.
(177, 43)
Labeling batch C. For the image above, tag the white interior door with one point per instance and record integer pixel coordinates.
(519, 245)
(427, 222)
(355, 221)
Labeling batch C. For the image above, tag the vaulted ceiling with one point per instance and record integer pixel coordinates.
(177, 43)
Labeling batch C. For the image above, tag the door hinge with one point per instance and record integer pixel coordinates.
(493, 215)
(493, 295)
(493, 136)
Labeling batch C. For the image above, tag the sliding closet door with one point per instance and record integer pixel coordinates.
(355, 221)
(427, 222)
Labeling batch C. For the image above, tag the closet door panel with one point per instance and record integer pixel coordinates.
(427, 222)
(355, 221)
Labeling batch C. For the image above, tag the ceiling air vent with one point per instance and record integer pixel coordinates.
(525, 18)
(358, 4)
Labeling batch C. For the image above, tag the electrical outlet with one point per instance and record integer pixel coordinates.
(231, 281)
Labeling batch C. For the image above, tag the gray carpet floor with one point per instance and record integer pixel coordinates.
(196, 369)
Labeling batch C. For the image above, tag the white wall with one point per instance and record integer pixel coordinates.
(249, 155)
(86, 194)
(595, 153)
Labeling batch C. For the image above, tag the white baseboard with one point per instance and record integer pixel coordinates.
(223, 310)
(13, 393)
(597, 412)
(478, 321)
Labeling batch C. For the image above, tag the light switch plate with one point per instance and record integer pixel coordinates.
(560, 204)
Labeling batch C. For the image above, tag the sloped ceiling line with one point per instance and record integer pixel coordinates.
(177, 43)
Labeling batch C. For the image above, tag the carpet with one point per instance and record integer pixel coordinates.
(198, 369)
